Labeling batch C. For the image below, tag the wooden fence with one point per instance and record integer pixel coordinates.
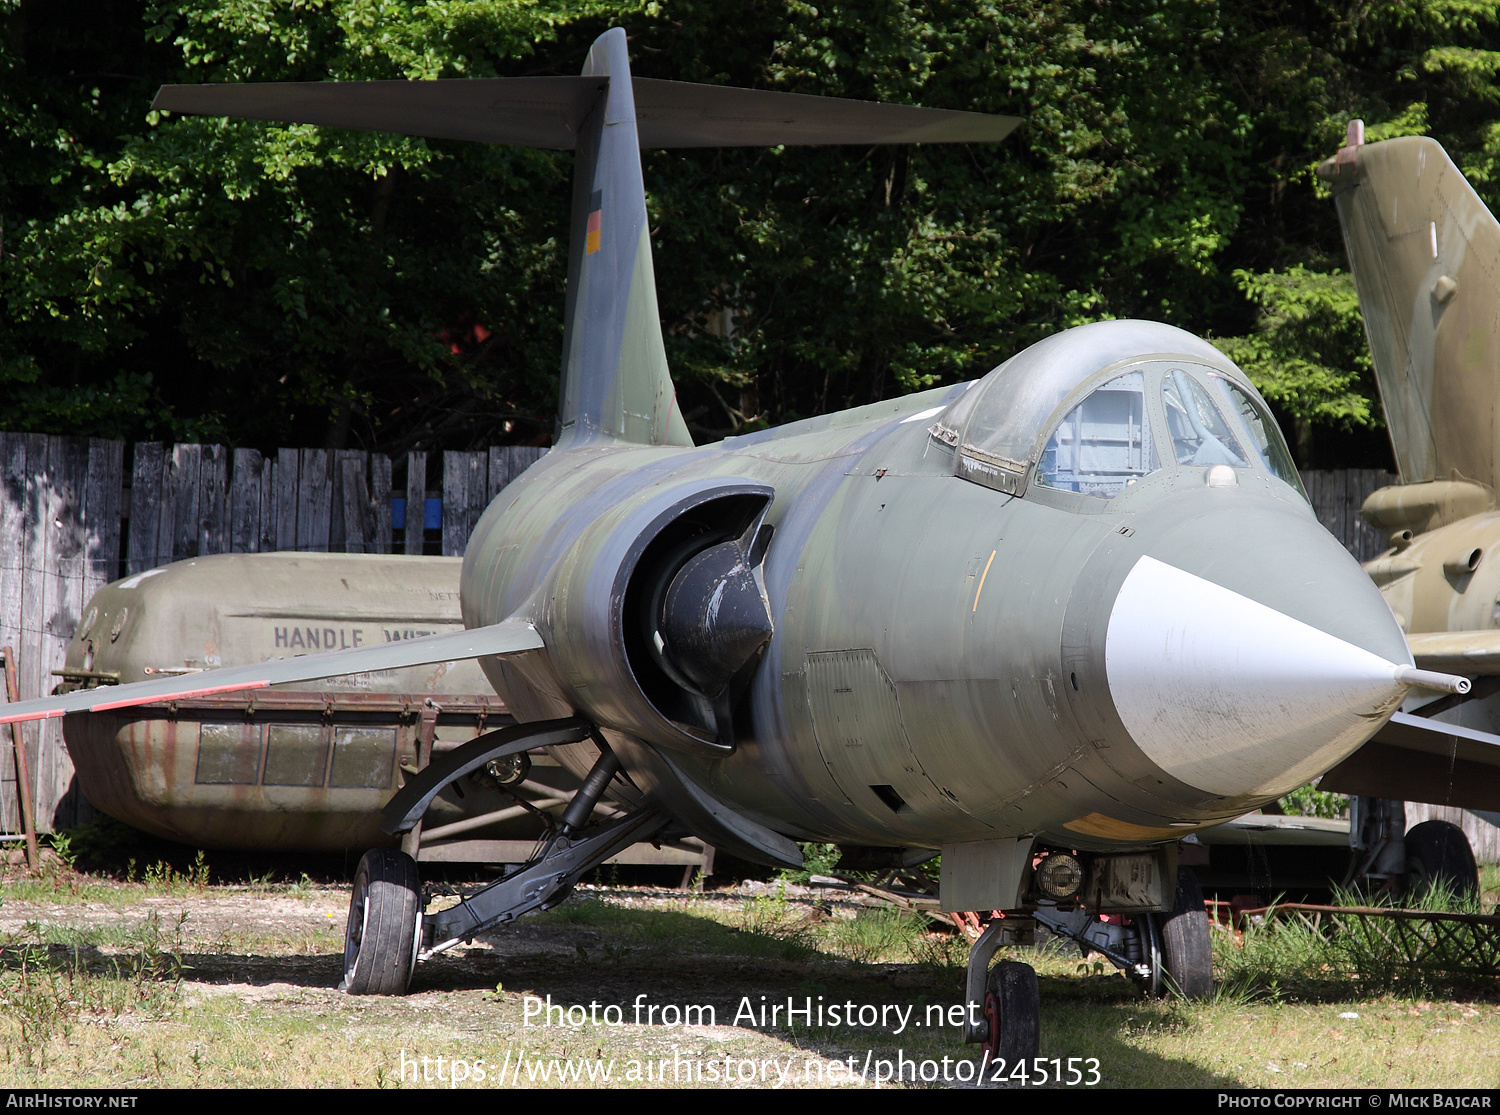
(78, 513)
(1337, 494)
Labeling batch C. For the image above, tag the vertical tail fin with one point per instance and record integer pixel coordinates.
(1424, 251)
(616, 386)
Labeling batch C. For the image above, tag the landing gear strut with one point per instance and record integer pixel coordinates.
(388, 932)
(1005, 1006)
(1162, 953)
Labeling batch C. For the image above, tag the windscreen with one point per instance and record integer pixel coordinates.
(1261, 432)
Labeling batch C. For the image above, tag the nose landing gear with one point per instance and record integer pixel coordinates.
(1012, 1014)
(1187, 953)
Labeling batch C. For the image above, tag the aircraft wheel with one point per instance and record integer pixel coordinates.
(1187, 951)
(380, 939)
(1438, 853)
(1013, 1009)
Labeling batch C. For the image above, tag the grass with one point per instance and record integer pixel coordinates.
(220, 998)
(50, 986)
(1315, 957)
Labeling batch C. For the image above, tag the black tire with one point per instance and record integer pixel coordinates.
(1187, 950)
(1013, 1009)
(1438, 853)
(380, 938)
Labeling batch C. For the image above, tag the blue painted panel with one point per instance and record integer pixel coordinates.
(432, 518)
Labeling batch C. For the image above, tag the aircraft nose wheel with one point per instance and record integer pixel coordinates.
(385, 919)
(1013, 1010)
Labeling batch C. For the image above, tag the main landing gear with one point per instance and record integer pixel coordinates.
(1438, 856)
(388, 931)
(382, 938)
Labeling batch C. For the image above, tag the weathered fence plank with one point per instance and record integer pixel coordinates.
(213, 500)
(314, 500)
(265, 541)
(379, 538)
(30, 659)
(244, 500)
(102, 510)
(465, 484)
(288, 474)
(350, 504)
(178, 537)
(65, 542)
(145, 506)
(416, 502)
(13, 500)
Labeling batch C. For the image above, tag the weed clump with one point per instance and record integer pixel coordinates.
(883, 934)
(47, 988)
(1304, 955)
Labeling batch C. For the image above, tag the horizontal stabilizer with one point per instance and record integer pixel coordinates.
(550, 112)
(510, 636)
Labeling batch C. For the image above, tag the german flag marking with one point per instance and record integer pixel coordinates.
(596, 222)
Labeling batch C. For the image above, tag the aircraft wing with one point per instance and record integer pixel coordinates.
(1458, 652)
(510, 636)
(1415, 758)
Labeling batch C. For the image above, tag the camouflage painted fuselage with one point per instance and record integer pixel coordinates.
(937, 672)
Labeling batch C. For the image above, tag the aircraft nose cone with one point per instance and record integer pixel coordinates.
(1234, 697)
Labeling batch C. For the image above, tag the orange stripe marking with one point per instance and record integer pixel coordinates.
(982, 576)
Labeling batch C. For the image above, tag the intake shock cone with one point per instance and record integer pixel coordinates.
(715, 618)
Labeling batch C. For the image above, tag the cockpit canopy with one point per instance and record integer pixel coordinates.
(1095, 408)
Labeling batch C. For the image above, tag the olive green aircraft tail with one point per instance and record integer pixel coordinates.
(1424, 250)
(615, 382)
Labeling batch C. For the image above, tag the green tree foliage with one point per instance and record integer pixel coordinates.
(189, 277)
